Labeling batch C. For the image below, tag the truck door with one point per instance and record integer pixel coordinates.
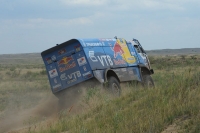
(130, 59)
(142, 56)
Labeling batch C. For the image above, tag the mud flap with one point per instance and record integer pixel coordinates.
(99, 75)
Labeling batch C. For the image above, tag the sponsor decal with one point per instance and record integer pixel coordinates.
(95, 44)
(67, 67)
(120, 49)
(63, 76)
(81, 61)
(55, 81)
(87, 73)
(119, 62)
(131, 58)
(71, 76)
(53, 58)
(77, 48)
(84, 68)
(103, 59)
(106, 59)
(117, 49)
(53, 73)
(107, 39)
(74, 75)
(133, 53)
(92, 57)
(65, 60)
(49, 61)
(62, 51)
(56, 86)
(71, 81)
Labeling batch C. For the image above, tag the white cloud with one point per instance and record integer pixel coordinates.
(61, 22)
(150, 4)
(41, 22)
(134, 4)
(84, 2)
(154, 4)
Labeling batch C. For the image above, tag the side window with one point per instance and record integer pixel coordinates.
(137, 49)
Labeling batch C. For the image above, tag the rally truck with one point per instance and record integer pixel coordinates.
(109, 61)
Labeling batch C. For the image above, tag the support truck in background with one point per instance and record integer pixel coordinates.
(108, 60)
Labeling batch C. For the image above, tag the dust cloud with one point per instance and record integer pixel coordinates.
(47, 109)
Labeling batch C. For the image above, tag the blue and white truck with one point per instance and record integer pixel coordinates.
(108, 60)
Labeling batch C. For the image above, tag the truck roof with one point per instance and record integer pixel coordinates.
(83, 42)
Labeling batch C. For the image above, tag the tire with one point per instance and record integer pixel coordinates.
(148, 81)
(114, 86)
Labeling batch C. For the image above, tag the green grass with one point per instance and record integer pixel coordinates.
(174, 100)
(137, 111)
(176, 95)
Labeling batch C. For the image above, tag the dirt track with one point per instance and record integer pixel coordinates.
(16, 119)
(47, 110)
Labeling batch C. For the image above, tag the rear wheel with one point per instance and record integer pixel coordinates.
(114, 86)
(148, 81)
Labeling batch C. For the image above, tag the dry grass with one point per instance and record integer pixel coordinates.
(173, 103)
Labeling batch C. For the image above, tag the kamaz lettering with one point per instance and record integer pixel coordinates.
(105, 60)
(94, 44)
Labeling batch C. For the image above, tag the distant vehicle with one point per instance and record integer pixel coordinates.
(108, 60)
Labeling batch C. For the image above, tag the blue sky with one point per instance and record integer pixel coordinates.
(28, 26)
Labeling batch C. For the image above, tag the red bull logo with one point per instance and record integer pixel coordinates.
(65, 60)
(117, 50)
(67, 67)
(120, 48)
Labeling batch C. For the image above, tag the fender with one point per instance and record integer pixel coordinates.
(112, 73)
(105, 74)
(145, 70)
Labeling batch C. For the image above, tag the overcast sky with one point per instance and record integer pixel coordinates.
(28, 26)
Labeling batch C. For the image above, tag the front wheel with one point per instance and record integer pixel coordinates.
(114, 86)
(148, 81)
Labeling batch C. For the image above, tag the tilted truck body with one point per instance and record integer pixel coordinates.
(108, 60)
